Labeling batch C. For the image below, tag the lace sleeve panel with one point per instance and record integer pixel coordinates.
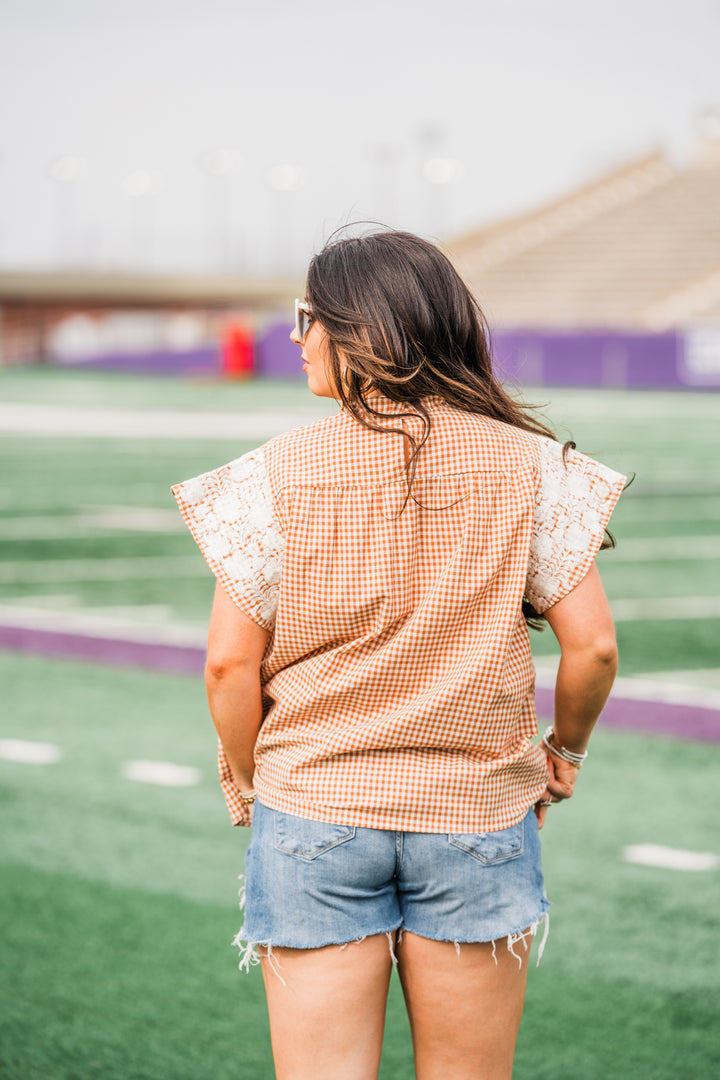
(231, 514)
(574, 500)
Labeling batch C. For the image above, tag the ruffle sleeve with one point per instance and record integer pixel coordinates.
(574, 500)
(230, 513)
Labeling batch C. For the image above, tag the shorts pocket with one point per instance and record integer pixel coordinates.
(492, 847)
(307, 839)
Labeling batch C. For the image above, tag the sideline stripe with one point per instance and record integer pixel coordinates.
(148, 623)
(29, 753)
(59, 420)
(670, 858)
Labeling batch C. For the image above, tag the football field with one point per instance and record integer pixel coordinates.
(118, 861)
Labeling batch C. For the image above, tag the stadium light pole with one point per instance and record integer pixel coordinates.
(66, 172)
(439, 174)
(285, 181)
(142, 186)
(385, 159)
(219, 166)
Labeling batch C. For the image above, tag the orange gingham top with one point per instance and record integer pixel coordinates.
(398, 681)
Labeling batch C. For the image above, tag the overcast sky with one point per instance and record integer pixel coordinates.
(153, 133)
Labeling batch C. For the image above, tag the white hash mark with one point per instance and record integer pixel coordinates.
(670, 858)
(161, 772)
(29, 753)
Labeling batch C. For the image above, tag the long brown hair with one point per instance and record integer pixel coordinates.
(400, 321)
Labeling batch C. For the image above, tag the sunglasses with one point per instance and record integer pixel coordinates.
(303, 318)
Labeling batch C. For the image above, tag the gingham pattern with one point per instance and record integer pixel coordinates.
(399, 681)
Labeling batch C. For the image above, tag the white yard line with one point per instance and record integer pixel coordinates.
(647, 689)
(664, 508)
(709, 678)
(647, 549)
(48, 601)
(117, 519)
(142, 568)
(59, 420)
(666, 607)
(671, 688)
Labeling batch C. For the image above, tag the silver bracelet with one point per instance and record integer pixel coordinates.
(570, 756)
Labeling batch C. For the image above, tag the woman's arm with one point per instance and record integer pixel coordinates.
(583, 625)
(236, 646)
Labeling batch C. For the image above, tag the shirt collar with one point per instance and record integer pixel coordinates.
(385, 405)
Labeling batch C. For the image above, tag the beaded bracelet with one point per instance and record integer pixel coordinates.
(247, 796)
(559, 751)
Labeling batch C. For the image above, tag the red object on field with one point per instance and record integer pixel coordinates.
(238, 352)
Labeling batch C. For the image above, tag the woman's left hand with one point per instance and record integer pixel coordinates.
(560, 786)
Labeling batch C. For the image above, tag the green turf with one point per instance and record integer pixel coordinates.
(671, 441)
(118, 898)
(119, 902)
(101, 718)
(117, 984)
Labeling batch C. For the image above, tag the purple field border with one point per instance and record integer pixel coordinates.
(119, 652)
(651, 717)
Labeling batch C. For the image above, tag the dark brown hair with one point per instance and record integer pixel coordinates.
(401, 321)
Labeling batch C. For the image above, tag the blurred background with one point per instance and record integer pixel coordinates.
(166, 172)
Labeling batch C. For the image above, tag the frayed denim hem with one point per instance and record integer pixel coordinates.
(523, 935)
(512, 939)
(250, 957)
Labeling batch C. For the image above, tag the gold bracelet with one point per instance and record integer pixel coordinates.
(247, 796)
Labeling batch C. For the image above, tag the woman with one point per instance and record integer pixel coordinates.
(369, 670)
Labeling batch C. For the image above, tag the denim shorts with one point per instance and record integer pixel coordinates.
(311, 883)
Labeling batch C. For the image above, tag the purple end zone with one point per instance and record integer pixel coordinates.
(652, 717)
(157, 656)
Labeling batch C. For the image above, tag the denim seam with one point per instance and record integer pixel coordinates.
(309, 856)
